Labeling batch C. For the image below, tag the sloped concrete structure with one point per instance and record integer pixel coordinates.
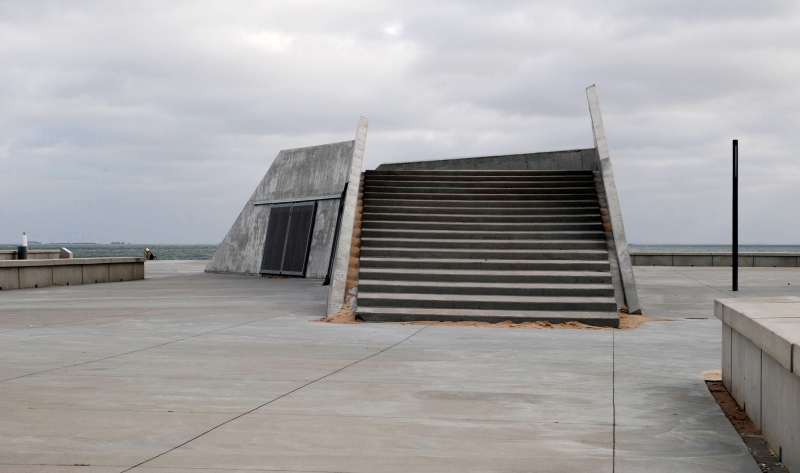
(314, 174)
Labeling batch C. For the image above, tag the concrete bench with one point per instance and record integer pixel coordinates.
(761, 367)
(23, 274)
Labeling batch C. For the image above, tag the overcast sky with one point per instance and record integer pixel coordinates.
(153, 122)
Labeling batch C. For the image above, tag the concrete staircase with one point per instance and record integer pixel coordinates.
(484, 246)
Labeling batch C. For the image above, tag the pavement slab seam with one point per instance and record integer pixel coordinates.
(273, 400)
(728, 293)
(147, 348)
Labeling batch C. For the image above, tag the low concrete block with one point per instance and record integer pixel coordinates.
(692, 260)
(35, 276)
(781, 411)
(9, 278)
(726, 355)
(95, 273)
(771, 401)
(138, 270)
(775, 261)
(727, 261)
(121, 272)
(653, 260)
(796, 359)
(67, 275)
(746, 376)
(790, 407)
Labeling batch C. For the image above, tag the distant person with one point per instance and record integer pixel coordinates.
(148, 255)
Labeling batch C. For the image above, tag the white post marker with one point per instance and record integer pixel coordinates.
(22, 251)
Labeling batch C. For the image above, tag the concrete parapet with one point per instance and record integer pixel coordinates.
(746, 260)
(569, 160)
(6, 255)
(761, 367)
(24, 274)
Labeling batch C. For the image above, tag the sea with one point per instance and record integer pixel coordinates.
(204, 252)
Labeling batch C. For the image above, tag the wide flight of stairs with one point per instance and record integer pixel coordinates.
(484, 246)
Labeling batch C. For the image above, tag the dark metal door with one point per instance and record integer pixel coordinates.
(288, 238)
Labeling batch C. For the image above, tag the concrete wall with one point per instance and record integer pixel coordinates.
(758, 260)
(295, 173)
(570, 160)
(761, 367)
(6, 255)
(24, 274)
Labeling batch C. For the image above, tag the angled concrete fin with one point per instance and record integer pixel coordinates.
(336, 294)
(615, 212)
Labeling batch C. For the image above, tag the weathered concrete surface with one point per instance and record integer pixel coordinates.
(295, 173)
(762, 375)
(758, 260)
(225, 373)
(341, 263)
(32, 254)
(569, 160)
(612, 200)
(38, 273)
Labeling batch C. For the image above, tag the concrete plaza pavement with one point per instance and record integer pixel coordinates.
(188, 372)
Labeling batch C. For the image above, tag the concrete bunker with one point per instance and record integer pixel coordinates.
(522, 237)
(297, 218)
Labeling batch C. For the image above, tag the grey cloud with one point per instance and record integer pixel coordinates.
(107, 109)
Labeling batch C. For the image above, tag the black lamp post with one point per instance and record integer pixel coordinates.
(735, 239)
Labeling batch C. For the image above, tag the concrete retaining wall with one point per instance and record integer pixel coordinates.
(24, 274)
(757, 260)
(761, 367)
(6, 255)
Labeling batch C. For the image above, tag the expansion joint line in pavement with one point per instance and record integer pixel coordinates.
(154, 346)
(613, 403)
(704, 284)
(273, 400)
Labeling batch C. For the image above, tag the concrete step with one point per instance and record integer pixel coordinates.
(483, 302)
(478, 173)
(490, 219)
(483, 235)
(491, 211)
(495, 227)
(484, 254)
(483, 244)
(480, 191)
(527, 184)
(487, 264)
(473, 196)
(402, 314)
(399, 201)
(488, 276)
(484, 178)
(485, 288)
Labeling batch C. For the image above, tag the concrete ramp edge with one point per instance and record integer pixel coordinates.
(615, 212)
(336, 294)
